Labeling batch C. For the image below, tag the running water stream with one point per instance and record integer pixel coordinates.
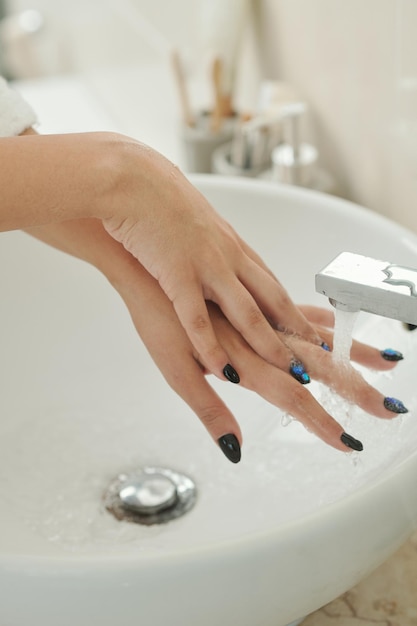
(338, 407)
(342, 339)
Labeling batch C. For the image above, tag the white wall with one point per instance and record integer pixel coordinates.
(83, 34)
(355, 61)
(79, 35)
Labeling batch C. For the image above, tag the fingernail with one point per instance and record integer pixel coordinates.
(230, 447)
(298, 371)
(410, 326)
(394, 405)
(391, 355)
(231, 374)
(325, 346)
(351, 442)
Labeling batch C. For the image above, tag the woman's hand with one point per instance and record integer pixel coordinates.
(196, 256)
(185, 371)
(201, 299)
(146, 204)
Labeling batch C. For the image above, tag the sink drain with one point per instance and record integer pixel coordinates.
(150, 495)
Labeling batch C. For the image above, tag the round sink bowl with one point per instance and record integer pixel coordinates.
(269, 540)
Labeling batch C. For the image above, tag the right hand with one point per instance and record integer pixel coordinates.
(156, 321)
(196, 256)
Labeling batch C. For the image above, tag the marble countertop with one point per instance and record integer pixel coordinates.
(388, 597)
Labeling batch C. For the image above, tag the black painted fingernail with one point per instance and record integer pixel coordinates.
(325, 346)
(410, 326)
(298, 371)
(231, 374)
(230, 447)
(351, 442)
(394, 405)
(391, 355)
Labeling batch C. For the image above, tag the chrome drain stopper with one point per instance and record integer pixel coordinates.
(150, 495)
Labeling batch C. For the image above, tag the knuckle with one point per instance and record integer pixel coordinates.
(323, 361)
(210, 415)
(212, 357)
(200, 323)
(298, 395)
(255, 317)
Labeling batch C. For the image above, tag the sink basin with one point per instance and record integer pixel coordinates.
(269, 540)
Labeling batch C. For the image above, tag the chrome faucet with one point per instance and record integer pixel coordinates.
(353, 282)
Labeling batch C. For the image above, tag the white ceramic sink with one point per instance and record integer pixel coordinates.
(269, 540)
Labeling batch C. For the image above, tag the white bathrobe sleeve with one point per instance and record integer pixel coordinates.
(16, 115)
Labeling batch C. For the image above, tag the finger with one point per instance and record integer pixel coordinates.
(240, 308)
(172, 352)
(374, 358)
(275, 302)
(192, 312)
(299, 322)
(311, 314)
(188, 380)
(254, 256)
(347, 381)
(279, 389)
(368, 356)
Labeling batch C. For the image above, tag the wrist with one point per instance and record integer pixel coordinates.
(140, 178)
(47, 179)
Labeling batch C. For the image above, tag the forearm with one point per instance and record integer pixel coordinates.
(51, 178)
(87, 239)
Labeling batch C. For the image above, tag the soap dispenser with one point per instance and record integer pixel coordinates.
(295, 162)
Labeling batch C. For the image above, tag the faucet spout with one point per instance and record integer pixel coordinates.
(353, 282)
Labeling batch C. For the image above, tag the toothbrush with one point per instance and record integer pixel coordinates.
(216, 77)
(179, 76)
(222, 22)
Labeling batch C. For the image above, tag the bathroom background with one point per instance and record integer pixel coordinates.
(354, 62)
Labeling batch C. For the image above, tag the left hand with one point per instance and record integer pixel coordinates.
(185, 371)
(157, 323)
(196, 256)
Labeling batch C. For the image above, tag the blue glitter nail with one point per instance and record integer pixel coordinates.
(325, 346)
(391, 355)
(297, 370)
(394, 405)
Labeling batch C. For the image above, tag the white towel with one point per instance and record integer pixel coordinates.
(16, 115)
